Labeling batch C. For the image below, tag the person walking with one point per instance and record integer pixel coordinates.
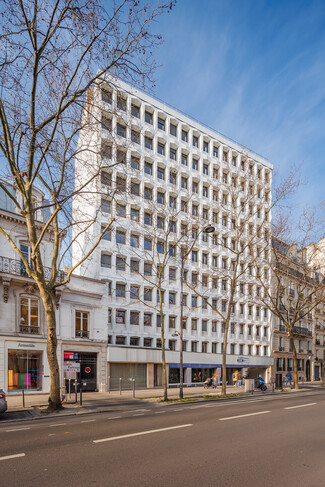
(288, 378)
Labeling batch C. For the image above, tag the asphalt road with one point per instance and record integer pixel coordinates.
(271, 440)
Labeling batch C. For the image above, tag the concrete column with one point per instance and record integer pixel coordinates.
(150, 375)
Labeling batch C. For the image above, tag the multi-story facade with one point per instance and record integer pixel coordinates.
(290, 284)
(155, 160)
(80, 315)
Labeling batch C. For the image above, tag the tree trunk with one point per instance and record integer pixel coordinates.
(55, 397)
(224, 358)
(162, 335)
(295, 363)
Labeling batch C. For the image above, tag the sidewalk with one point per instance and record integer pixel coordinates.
(104, 401)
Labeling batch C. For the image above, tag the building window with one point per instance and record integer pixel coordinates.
(134, 292)
(148, 143)
(172, 321)
(135, 110)
(120, 237)
(25, 370)
(107, 235)
(147, 294)
(160, 173)
(161, 148)
(172, 345)
(148, 117)
(173, 130)
(134, 241)
(105, 206)
(172, 297)
(193, 346)
(120, 263)
(161, 123)
(194, 324)
(135, 162)
(148, 168)
(29, 315)
(147, 319)
(120, 316)
(120, 340)
(147, 244)
(134, 341)
(147, 342)
(105, 260)
(195, 141)
(134, 317)
(184, 136)
(120, 290)
(81, 324)
(121, 130)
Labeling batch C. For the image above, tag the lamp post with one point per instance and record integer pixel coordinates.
(207, 229)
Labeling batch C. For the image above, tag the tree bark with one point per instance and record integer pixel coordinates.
(295, 362)
(54, 397)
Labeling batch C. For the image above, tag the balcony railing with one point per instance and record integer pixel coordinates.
(31, 330)
(297, 330)
(82, 334)
(16, 267)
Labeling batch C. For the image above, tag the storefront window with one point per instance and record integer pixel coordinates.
(29, 315)
(25, 370)
(200, 375)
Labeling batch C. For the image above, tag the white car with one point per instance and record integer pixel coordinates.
(3, 402)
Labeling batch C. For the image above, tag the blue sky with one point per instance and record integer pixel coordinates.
(254, 71)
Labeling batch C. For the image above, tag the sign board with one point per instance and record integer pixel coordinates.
(71, 367)
(242, 360)
(70, 356)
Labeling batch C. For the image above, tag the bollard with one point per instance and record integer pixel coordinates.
(69, 388)
(23, 395)
(76, 391)
(133, 386)
(120, 386)
(80, 394)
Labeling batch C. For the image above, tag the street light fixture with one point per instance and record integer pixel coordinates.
(209, 229)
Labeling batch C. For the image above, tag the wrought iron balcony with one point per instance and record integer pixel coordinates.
(31, 330)
(297, 330)
(17, 268)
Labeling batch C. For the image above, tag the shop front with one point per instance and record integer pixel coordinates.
(87, 370)
(25, 370)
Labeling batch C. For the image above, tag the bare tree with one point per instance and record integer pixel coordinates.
(52, 53)
(240, 225)
(297, 283)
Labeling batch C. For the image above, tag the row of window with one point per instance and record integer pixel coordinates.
(192, 346)
(178, 131)
(188, 182)
(194, 324)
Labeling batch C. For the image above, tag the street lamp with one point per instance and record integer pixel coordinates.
(209, 229)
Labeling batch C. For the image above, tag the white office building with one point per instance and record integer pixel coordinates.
(158, 161)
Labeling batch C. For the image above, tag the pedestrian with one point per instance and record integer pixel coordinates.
(235, 377)
(288, 378)
(215, 380)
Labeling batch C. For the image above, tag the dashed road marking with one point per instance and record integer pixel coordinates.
(114, 417)
(301, 405)
(17, 429)
(88, 420)
(57, 424)
(9, 457)
(244, 415)
(141, 433)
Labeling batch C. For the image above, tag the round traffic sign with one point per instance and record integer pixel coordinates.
(87, 370)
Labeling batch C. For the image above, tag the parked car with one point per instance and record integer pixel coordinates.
(3, 402)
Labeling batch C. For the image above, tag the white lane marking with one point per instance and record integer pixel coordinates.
(88, 421)
(12, 456)
(17, 429)
(149, 432)
(301, 405)
(114, 417)
(140, 414)
(58, 424)
(244, 415)
(160, 412)
(137, 410)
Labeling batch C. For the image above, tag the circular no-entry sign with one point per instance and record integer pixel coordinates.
(87, 370)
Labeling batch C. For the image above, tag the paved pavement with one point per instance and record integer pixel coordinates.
(35, 404)
(274, 440)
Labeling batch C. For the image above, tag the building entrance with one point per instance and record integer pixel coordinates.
(88, 369)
